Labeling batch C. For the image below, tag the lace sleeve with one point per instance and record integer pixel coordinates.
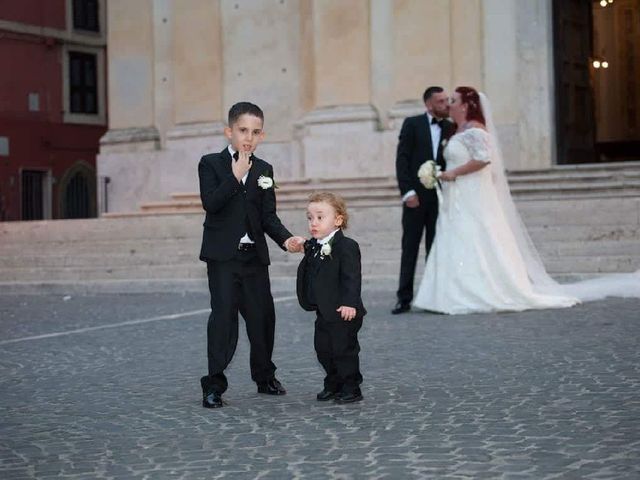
(477, 142)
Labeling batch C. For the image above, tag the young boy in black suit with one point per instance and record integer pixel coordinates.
(329, 283)
(236, 189)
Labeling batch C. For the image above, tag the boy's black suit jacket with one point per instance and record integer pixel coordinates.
(228, 204)
(415, 148)
(338, 281)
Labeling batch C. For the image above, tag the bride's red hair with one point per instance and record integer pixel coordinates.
(469, 97)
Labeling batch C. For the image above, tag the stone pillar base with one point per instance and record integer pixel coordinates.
(130, 140)
(341, 142)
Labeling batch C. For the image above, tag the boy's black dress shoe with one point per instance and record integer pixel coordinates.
(350, 397)
(401, 308)
(212, 400)
(325, 395)
(271, 387)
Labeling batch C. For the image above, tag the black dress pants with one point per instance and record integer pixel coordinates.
(239, 285)
(337, 348)
(415, 221)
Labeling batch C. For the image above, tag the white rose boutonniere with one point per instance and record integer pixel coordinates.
(265, 182)
(325, 250)
(428, 174)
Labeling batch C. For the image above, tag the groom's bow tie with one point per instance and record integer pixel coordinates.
(435, 121)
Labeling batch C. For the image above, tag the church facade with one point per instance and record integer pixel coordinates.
(335, 80)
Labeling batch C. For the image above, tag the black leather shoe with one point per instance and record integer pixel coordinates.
(349, 397)
(212, 400)
(325, 395)
(401, 308)
(272, 387)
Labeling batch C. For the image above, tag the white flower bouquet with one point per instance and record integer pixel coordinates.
(428, 174)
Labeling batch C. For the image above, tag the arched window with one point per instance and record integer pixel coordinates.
(77, 192)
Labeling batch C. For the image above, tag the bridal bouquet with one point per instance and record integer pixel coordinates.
(428, 174)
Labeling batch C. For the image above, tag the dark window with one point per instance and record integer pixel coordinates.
(76, 197)
(32, 195)
(83, 85)
(85, 15)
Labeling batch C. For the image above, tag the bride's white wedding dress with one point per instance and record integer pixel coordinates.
(475, 264)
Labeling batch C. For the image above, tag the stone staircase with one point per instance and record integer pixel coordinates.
(564, 182)
(584, 220)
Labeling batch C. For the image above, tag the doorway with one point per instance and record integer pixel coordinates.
(597, 80)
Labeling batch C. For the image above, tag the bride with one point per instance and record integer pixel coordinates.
(482, 259)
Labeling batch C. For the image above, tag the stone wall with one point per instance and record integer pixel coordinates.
(334, 78)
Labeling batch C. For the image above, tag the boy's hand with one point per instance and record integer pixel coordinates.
(347, 313)
(241, 166)
(294, 244)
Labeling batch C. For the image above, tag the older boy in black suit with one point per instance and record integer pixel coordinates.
(329, 283)
(237, 194)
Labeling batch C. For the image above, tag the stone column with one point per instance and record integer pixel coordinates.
(163, 72)
(518, 78)
(466, 44)
(341, 128)
(198, 117)
(130, 77)
(422, 53)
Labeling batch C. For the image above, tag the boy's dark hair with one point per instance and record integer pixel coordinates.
(430, 91)
(242, 108)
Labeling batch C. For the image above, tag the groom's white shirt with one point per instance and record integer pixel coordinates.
(436, 134)
(245, 238)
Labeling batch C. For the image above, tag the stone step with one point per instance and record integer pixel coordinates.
(599, 181)
(371, 253)
(371, 267)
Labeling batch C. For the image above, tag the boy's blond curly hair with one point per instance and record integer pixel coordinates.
(336, 201)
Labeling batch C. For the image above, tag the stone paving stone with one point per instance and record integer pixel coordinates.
(549, 394)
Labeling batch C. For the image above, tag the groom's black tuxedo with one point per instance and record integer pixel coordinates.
(414, 148)
(238, 273)
(323, 285)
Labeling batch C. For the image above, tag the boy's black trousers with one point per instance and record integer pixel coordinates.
(337, 348)
(239, 285)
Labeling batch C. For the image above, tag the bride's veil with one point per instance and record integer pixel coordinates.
(619, 285)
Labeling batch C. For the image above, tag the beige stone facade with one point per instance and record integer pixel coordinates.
(334, 77)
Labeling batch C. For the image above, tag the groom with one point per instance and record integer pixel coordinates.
(237, 193)
(421, 138)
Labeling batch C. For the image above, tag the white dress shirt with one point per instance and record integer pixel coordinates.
(245, 238)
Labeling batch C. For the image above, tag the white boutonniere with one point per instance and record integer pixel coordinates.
(444, 142)
(325, 250)
(265, 182)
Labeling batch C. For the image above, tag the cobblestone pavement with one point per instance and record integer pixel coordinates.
(534, 395)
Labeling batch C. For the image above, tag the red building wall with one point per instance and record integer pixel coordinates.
(38, 140)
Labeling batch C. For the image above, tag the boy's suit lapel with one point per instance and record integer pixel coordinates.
(252, 179)
(328, 262)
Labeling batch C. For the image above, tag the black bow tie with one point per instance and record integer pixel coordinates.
(236, 155)
(312, 246)
(435, 121)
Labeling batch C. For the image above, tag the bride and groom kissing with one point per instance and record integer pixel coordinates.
(480, 257)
